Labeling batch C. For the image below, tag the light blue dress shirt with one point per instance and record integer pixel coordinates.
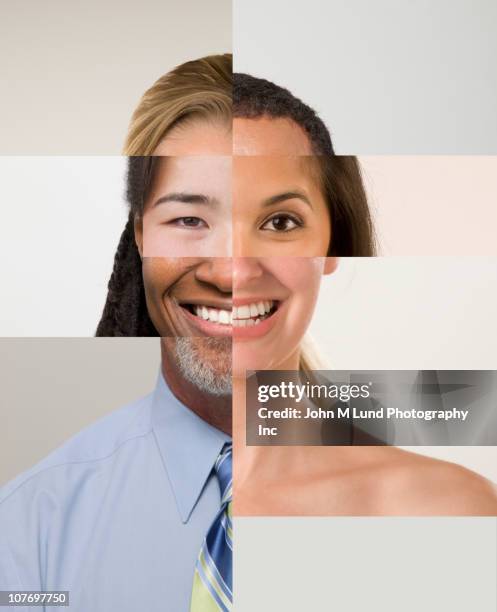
(117, 515)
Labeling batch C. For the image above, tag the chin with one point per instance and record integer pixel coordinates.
(245, 360)
(206, 363)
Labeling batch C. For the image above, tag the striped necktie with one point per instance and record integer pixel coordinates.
(213, 582)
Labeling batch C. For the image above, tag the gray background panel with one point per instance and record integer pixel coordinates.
(52, 388)
(351, 564)
(388, 77)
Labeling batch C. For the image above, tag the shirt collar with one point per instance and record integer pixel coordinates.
(189, 446)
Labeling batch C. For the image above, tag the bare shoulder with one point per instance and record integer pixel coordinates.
(426, 486)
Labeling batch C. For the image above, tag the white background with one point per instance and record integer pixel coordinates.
(61, 223)
(409, 313)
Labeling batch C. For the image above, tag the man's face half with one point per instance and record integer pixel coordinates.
(189, 296)
(206, 363)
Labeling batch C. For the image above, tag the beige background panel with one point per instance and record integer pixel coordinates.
(73, 72)
(433, 205)
(53, 388)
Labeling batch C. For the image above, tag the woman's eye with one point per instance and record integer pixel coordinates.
(189, 222)
(282, 223)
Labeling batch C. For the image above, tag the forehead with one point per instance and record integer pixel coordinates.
(197, 137)
(260, 174)
(202, 174)
(261, 136)
(269, 136)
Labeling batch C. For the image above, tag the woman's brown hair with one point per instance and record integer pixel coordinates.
(351, 223)
(339, 176)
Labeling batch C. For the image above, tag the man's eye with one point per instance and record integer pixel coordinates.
(189, 222)
(282, 223)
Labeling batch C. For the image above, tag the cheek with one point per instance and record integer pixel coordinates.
(298, 274)
(159, 277)
(302, 278)
(153, 242)
(159, 274)
(160, 239)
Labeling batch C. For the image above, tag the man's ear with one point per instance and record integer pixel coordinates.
(138, 226)
(330, 265)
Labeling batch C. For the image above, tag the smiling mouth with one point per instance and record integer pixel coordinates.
(245, 315)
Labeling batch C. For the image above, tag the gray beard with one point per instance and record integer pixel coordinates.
(201, 372)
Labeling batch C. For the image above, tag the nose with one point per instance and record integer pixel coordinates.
(216, 271)
(221, 243)
(244, 244)
(245, 271)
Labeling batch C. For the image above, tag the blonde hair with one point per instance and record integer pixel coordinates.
(310, 357)
(201, 88)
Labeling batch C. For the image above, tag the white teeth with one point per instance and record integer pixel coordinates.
(239, 316)
(213, 314)
(241, 312)
(224, 317)
(251, 311)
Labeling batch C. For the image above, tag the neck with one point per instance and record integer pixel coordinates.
(214, 409)
(249, 457)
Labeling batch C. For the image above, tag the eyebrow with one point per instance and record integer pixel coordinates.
(184, 198)
(288, 195)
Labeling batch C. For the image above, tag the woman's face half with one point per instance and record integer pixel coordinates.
(205, 202)
(279, 208)
(273, 303)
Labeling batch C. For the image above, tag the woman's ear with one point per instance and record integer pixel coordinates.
(330, 265)
(139, 234)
